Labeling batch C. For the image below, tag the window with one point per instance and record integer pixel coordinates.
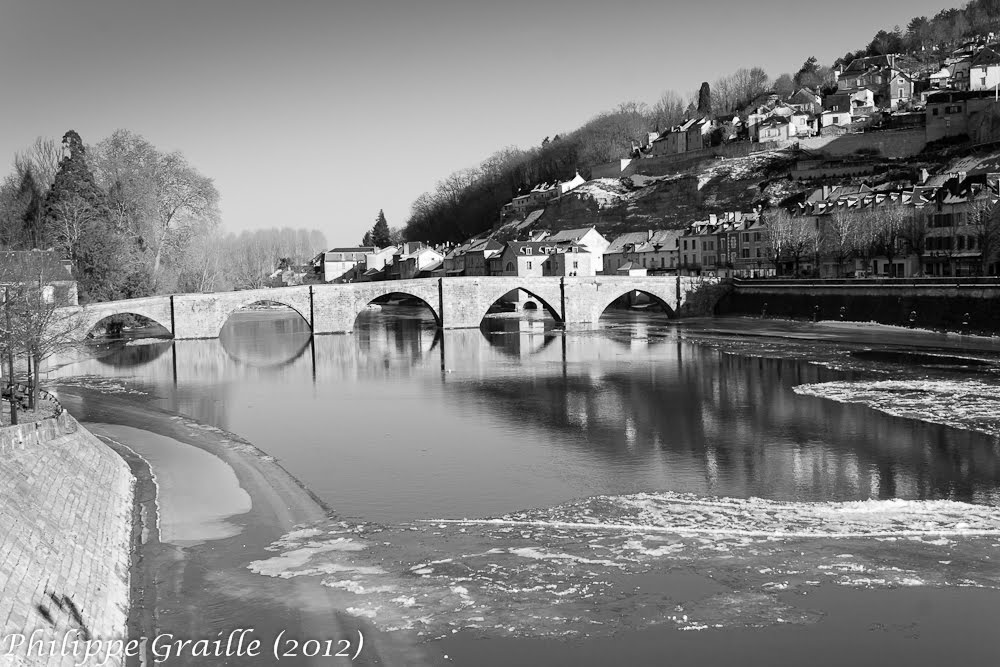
(529, 266)
(510, 267)
(934, 111)
(758, 252)
(745, 253)
(746, 237)
(575, 265)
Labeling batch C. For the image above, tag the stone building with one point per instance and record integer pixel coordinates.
(46, 268)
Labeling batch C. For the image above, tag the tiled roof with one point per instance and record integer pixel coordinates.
(569, 235)
(628, 238)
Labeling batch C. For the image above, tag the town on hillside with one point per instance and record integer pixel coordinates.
(856, 198)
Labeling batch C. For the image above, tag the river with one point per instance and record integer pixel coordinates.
(525, 483)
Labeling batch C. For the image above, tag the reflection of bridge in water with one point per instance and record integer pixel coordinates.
(455, 303)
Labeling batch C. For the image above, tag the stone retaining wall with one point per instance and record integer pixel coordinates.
(65, 528)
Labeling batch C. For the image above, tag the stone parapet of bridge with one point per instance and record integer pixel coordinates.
(459, 302)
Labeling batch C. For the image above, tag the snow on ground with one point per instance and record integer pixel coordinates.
(739, 168)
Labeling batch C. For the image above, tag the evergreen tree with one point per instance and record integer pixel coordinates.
(77, 221)
(366, 240)
(33, 198)
(380, 235)
(704, 99)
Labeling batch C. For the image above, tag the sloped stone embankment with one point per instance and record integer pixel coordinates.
(65, 527)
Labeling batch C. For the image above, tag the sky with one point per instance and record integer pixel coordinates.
(319, 113)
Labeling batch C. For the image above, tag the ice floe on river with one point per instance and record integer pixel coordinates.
(613, 562)
(966, 404)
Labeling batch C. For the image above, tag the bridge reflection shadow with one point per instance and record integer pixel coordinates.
(272, 338)
(520, 336)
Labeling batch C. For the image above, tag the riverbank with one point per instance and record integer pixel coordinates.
(65, 501)
(195, 584)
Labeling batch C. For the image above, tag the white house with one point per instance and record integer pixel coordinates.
(588, 237)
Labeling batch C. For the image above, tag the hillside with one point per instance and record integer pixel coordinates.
(616, 206)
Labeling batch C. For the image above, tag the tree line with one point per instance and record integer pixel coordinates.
(135, 220)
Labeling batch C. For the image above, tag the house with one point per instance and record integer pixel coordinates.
(524, 258)
(659, 251)
(649, 251)
(618, 250)
(414, 260)
(773, 128)
(699, 252)
(289, 275)
(588, 237)
(18, 267)
(478, 256)
(691, 135)
(373, 266)
(948, 113)
(630, 269)
(890, 77)
(339, 263)
(805, 99)
(570, 260)
(984, 70)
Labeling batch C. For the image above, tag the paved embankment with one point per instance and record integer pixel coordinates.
(65, 528)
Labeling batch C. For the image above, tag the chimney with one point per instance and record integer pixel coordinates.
(924, 175)
(713, 218)
(649, 234)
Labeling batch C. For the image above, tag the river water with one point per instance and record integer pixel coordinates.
(524, 481)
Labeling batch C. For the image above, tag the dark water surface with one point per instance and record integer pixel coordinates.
(522, 481)
(398, 422)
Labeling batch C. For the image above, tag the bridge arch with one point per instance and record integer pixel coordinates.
(89, 318)
(236, 306)
(605, 303)
(390, 292)
(491, 296)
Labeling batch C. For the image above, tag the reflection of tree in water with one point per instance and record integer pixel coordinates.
(729, 425)
(519, 336)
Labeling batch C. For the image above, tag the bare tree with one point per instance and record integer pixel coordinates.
(32, 322)
(983, 219)
(69, 225)
(914, 233)
(42, 159)
(838, 237)
(866, 238)
(888, 221)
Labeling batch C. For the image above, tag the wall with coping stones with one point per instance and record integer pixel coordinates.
(65, 530)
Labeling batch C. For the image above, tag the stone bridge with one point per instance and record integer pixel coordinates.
(457, 303)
